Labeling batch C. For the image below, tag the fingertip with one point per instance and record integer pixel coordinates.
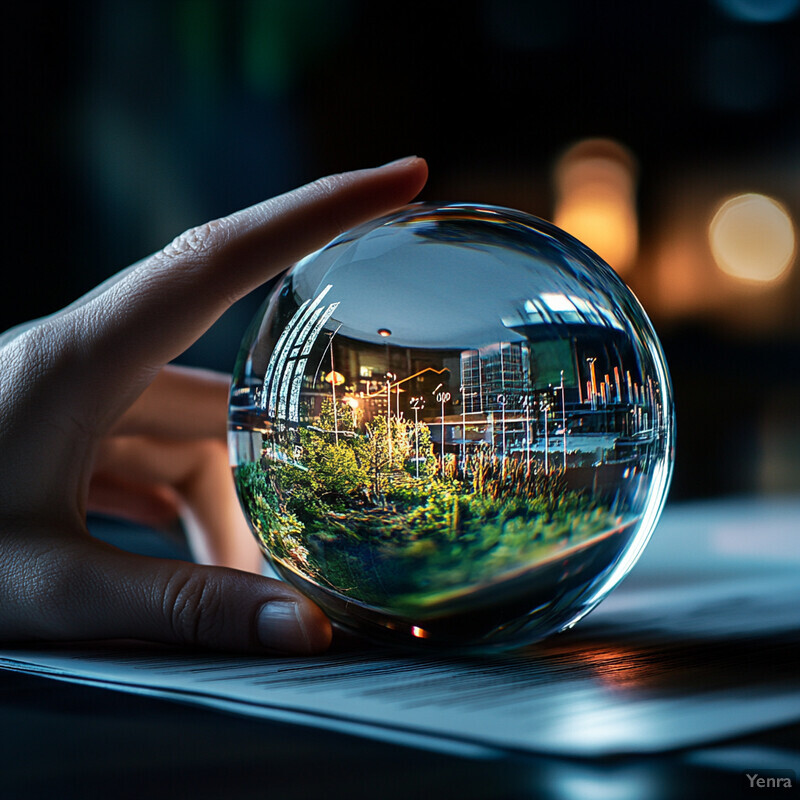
(419, 169)
(318, 628)
(373, 192)
(138, 597)
(403, 163)
(293, 626)
(163, 305)
(413, 166)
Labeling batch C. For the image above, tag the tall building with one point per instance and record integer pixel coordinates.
(496, 375)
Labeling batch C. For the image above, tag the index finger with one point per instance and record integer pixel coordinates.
(156, 310)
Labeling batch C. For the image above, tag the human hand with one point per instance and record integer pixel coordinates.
(167, 459)
(68, 393)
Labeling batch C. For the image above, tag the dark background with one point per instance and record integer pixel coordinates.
(127, 122)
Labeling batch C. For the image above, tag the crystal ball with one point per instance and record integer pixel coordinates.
(452, 427)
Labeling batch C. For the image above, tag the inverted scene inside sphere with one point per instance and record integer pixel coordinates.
(452, 426)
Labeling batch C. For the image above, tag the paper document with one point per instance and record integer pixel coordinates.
(699, 643)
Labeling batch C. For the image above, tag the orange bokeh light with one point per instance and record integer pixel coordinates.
(595, 184)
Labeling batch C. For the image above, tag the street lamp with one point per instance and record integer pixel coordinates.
(526, 402)
(417, 403)
(390, 376)
(563, 418)
(590, 362)
(334, 379)
(544, 405)
(501, 399)
(463, 428)
(442, 397)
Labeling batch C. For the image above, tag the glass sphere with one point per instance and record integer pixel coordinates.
(452, 426)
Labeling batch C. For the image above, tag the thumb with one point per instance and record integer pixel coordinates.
(106, 593)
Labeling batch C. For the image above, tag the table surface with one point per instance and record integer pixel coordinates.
(65, 740)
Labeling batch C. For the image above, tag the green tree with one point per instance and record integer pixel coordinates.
(346, 418)
(330, 455)
(386, 450)
(419, 440)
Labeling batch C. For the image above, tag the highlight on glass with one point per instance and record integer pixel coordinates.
(452, 427)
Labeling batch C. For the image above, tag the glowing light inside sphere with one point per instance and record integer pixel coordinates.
(485, 475)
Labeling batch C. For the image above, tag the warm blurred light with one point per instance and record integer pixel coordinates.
(620, 668)
(752, 238)
(759, 10)
(336, 378)
(352, 402)
(595, 185)
(385, 332)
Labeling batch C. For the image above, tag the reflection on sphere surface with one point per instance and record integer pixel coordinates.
(452, 426)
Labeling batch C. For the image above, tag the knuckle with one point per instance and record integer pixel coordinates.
(328, 185)
(202, 240)
(193, 607)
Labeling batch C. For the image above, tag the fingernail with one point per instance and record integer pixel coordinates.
(399, 161)
(280, 627)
